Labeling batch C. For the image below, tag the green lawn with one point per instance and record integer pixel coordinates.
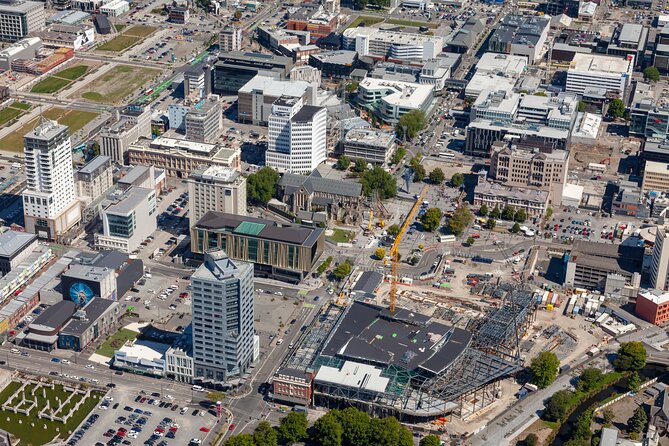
(373, 20)
(413, 23)
(72, 73)
(20, 425)
(115, 342)
(341, 236)
(140, 31)
(9, 113)
(93, 96)
(367, 19)
(50, 84)
(119, 28)
(117, 83)
(21, 105)
(119, 43)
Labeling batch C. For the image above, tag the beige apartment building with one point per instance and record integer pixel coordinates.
(655, 177)
(216, 188)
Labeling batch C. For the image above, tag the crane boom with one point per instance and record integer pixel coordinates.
(394, 250)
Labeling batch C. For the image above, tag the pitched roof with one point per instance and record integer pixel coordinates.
(315, 183)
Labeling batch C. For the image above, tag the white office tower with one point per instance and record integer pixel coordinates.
(50, 206)
(297, 136)
(222, 319)
(659, 266)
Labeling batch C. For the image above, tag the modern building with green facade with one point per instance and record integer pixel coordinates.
(280, 251)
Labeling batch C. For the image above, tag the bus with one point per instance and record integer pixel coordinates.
(447, 155)
(446, 239)
(148, 91)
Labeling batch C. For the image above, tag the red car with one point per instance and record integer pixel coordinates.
(12, 332)
(120, 434)
(174, 429)
(205, 429)
(160, 429)
(232, 427)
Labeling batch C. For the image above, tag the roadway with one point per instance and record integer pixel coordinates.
(78, 105)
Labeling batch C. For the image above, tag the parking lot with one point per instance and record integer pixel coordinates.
(148, 419)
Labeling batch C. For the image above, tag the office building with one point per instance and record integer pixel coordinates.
(655, 177)
(128, 221)
(661, 53)
(495, 195)
(23, 49)
(437, 71)
(204, 121)
(521, 35)
(382, 44)
(498, 71)
(94, 180)
(222, 302)
(234, 69)
(371, 145)
(610, 74)
(659, 266)
(42, 333)
(97, 319)
(523, 167)
(115, 8)
(197, 81)
(629, 39)
(216, 188)
(257, 96)
(281, 251)
(292, 386)
(142, 176)
(50, 206)
(130, 124)
(389, 100)
(653, 306)
(318, 21)
(590, 264)
(230, 38)
(649, 117)
(178, 157)
(296, 140)
(18, 18)
(83, 282)
(335, 64)
(15, 247)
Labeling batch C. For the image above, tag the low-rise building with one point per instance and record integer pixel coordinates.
(390, 100)
(371, 145)
(437, 71)
(15, 247)
(466, 38)
(649, 116)
(521, 35)
(335, 64)
(494, 195)
(655, 177)
(572, 41)
(128, 221)
(115, 8)
(590, 264)
(281, 251)
(24, 271)
(179, 358)
(256, 97)
(629, 201)
(82, 282)
(394, 45)
(94, 179)
(98, 318)
(142, 176)
(653, 306)
(319, 21)
(629, 39)
(67, 36)
(367, 285)
(23, 49)
(292, 386)
(43, 331)
(498, 71)
(612, 74)
(179, 157)
(216, 188)
(178, 14)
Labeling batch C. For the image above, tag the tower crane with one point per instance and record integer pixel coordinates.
(394, 250)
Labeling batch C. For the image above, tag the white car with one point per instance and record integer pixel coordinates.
(65, 361)
(198, 388)
(90, 366)
(195, 440)
(109, 398)
(103, 407)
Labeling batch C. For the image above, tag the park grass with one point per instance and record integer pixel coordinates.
(118, 83)
(50, 84)
(367, 19)
(9, 113)
(73, 73)
(20, 425)
(341, 236)
(413, 23)
(140, 31)
(119, 43)
(21, 106)
(115, 342)
(119, 27)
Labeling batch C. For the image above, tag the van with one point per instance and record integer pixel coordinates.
(15, 351)
(198, 388)
(477, 227)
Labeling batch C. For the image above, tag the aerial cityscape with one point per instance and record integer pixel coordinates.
(334, 222)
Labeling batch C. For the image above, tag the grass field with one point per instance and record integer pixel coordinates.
(115, 342)
(341, 236)
(9, 113)
(75, 119)
(21, 105)
(50, 84)
(140, 31)
(21, 425)
(373, 20)
(117, 83)
(367, 19)
(413, 23)
(73, 73)
(119, 43)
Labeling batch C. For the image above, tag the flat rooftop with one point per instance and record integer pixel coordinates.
(88, 315)
(395, 37)
(600, 63)
(96, 163)
(217, 174)
(13, 241)
(510, 65)
(275, 87)
(371, 137)
(655, 167)
(54, 317)
(130, 200)
(339, 57)
(400, 93)
(19, 5)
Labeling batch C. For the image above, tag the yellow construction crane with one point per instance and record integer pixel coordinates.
(394, 250)
(371, 218)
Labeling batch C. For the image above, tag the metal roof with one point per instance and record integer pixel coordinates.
(315, 183)
(92, 311)
(13, 241)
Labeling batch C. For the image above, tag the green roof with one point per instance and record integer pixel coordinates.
(249, 228)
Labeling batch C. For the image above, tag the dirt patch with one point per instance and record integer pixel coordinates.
(539, 428)
(115, 85)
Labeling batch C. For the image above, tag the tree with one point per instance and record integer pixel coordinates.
(265, 435)
(470, 241)
(351, 86)
(460, 220)
(581, 428)
(385, 431)
(430, 440)
(237, 15)
(325, 265)
(491, 223)
(343, 163)
(399, 154)
(293, 427)
(549, 213)
(508, 213)
(215, 396)
(637, 422)
(617, 108)
(531, 440)
(380, 253)
(582, 106)
(240, 440)
(261, 186)
(515, 229)
(379, 180)
(520, 216)
(483, 211)
(328, 431)
(589, 379)
(410, 124)
(495, 213)
(359, 166)
(651, 74)
(342, 270)
(631, 356)
(556, 407)
(544, 368)
(393, 230)
(356, 426)
(457, 180)
(431, 219)
(634, 382)
(418, 173)
(437, 176)
(608, 416)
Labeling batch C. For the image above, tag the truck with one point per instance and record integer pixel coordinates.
(531, 387)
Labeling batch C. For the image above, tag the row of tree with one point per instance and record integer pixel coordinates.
(347, 427)
(506, 213)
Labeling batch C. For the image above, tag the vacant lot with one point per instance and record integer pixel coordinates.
(75, 119)
(115, 342)
(44, 430)
(60, 80)
(116, 84)
(369, 20)
(12, 112)
(127, 38)
(140, 31)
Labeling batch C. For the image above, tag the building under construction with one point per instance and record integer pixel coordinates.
(406, 364)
